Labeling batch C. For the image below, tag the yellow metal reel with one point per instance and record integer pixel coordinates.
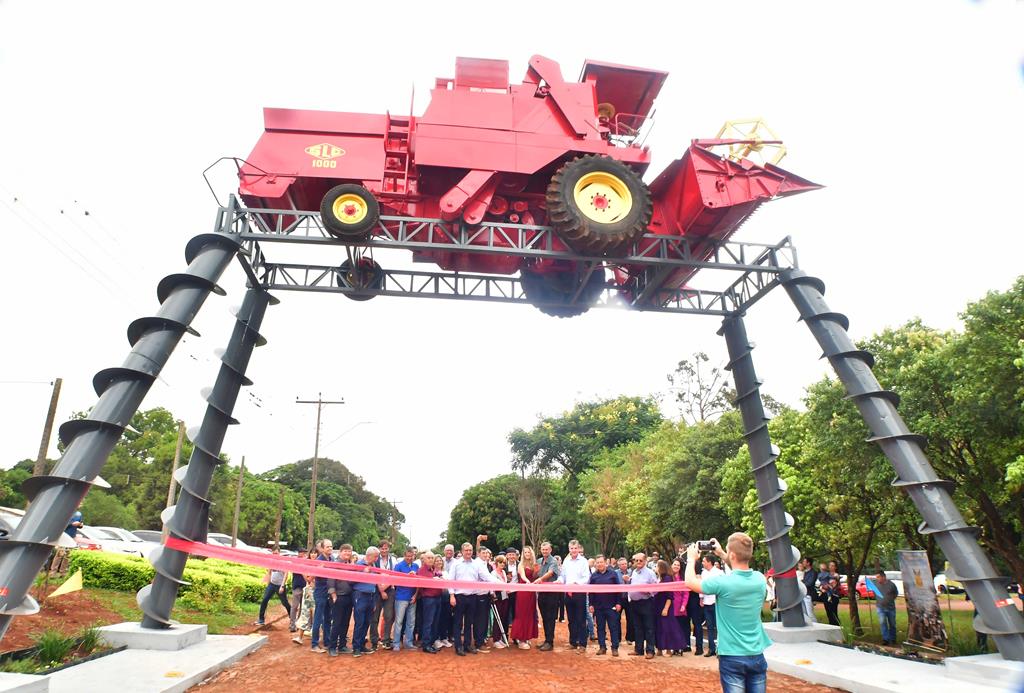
(756, 149)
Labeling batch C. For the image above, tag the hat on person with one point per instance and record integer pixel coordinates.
(511, 549)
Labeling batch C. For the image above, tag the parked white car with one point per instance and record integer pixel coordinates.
(225, 540)
(895, 577)
(11, 518)
(142, 546)
(109, 541)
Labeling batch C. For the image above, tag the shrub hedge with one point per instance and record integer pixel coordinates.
(211, 581)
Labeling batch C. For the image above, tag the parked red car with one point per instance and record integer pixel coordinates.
(862, 588)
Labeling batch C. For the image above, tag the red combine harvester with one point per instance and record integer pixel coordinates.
(547, 152)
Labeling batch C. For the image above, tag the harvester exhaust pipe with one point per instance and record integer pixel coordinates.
(770, 488)
(88, 442)
(189, 518)
(997, 616)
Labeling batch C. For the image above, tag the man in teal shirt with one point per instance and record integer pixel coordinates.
(740, 595)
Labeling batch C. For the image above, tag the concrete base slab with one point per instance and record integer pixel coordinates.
(156, 671)
(23, 683)
(987, 668)
(863, 672)
(132, 635)
(812, 633)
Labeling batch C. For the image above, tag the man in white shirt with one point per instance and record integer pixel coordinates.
(464, 600)
(576, 571)
(708, 600)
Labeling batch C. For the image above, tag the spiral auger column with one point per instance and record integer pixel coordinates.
(189, 518)
(997, 616)
(88, 442)
(770, 488)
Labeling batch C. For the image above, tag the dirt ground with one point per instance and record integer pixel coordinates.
(282, 665)
(70, 614)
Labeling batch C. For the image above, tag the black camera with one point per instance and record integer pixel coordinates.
(706, 545)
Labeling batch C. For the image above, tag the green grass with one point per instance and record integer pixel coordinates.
(217, 622)
(54, 646)
(959, 625)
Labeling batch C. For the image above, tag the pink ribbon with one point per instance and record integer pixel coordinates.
(351, 572)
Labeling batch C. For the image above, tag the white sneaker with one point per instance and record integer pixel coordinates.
(448, 643)
(524, 646)
(438, 644)
(499, 645)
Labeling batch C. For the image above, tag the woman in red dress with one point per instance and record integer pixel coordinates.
(524, 625)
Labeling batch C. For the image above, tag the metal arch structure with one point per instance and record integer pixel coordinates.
(753, 267)
(751, 271)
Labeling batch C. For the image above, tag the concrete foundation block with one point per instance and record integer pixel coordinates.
(23, 683)
(812, 633)
(989, 669)
(133, 636)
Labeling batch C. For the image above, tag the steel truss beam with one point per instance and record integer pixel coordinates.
(756, 265)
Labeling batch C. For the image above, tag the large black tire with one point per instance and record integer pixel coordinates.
(367, 274)
(365, 211)
(547, 288)
(578, 227)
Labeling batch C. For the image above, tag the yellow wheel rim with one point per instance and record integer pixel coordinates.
(349, 208)
(602, 197)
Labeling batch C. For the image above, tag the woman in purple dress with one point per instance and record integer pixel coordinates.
(668, 636)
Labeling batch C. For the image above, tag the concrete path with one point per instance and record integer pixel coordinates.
(149, 671)
(861, 672)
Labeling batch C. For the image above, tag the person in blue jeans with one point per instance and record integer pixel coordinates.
(322, 600)
(886, 593)
(431, 567)
(605, 606)
(405, 604)
(739, 596)
(363, 598)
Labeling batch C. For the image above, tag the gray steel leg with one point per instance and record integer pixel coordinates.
(770, 488)
(189, 518)
(914, 472)
(88, 442)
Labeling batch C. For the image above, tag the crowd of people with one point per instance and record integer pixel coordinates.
(719, 591)
(360, 618)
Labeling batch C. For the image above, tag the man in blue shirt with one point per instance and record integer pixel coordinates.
(642, 604)
(363, 594)
(606, 605)
(739, 597)
(405, 603)
(321, 599)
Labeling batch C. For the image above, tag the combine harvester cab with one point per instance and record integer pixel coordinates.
(547, 152)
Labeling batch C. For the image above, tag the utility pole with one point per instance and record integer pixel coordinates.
(319, 402)
(277, 523)
(394, 521)
(174, 467)
(39, 468)
(238, 503)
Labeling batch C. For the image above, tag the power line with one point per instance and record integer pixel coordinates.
(53, 245)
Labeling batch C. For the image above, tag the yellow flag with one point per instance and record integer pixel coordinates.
(72, 584)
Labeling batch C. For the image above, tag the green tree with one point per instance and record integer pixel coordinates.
(106, 510)
(567, 444)
(487, 508)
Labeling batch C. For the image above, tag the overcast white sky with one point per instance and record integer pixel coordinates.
(909, 112)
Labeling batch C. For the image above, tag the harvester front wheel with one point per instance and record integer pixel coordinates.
(349, 212)
(365, 274)
(598, 205)
(552, 292)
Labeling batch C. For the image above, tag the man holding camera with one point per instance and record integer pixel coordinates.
(739, 595)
